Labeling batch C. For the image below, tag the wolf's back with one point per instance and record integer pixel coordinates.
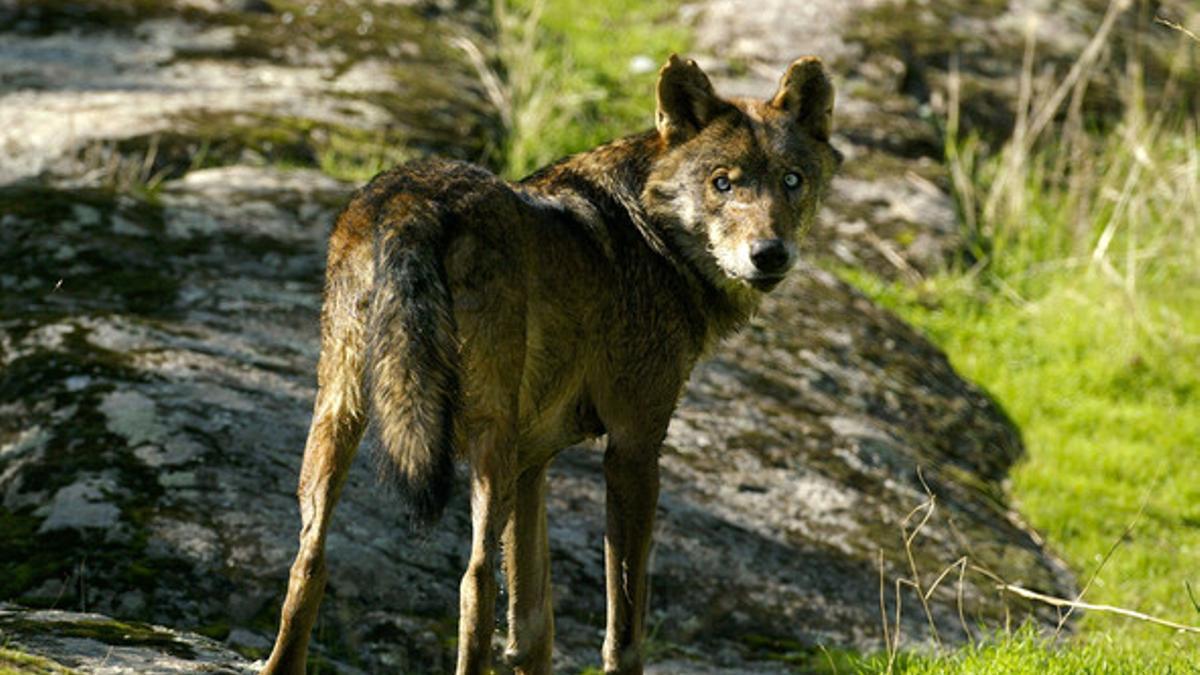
(412, 365)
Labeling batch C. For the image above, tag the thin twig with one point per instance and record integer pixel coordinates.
(896, 627)
(1160, 19)
(883, 599)
(883, 615)
(1104, 561)
(890, 254)
(1080, 68)
(961, 566)
(1063, 602)
(915, 582)
(962, 617)
(949, 568)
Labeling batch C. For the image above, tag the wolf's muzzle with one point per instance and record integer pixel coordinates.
(770, 256)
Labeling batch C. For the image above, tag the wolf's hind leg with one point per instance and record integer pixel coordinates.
(337, 427)
(491, 455)
(527, 562)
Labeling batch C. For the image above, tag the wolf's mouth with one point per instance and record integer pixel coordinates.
(765, 282)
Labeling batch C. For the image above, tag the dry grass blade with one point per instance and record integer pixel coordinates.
(1072, 604)
(1124, 203)
(1082, 66)
(888, 644)
(915, 581)
(1104, 561)
(493, 85)
(1173, 25)
(891, 635)
(961, 566)
(938, 580)
(959, 165)
(896, 627)
(1008, 189)
(911, 274)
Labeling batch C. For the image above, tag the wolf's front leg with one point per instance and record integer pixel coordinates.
(527, 562)
(631, 477)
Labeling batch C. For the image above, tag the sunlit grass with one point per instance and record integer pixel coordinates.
(1027, 654)
(581, 73)
(1082, 318)
(1110, 419)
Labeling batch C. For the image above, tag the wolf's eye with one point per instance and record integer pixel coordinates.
(722, 183)
(791, 180)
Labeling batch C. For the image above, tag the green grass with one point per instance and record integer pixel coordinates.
(1111, 420)
(1082, 318)
(1026, 653)
(571, 76)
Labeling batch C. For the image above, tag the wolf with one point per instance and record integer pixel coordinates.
(468, 318)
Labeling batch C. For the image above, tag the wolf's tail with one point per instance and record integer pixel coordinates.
(413, 373)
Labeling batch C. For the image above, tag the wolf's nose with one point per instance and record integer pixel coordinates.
(770, 256)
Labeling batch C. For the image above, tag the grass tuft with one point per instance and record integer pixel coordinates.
(572, 74)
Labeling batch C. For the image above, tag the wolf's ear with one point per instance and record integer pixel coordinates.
(807, 94)
(686, 100)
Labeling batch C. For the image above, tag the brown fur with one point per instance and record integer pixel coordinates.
(498, 323)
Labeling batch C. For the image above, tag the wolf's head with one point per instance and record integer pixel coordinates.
(740, 180)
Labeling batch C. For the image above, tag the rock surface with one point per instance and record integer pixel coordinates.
(93, 643)
(172, 85)
(159, 288)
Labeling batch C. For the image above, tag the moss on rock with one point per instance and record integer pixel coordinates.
(16, 662)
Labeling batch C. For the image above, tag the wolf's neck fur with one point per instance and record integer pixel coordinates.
(612, 178)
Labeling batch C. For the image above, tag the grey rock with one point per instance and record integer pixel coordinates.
(132, 415)
(94, 643)
(169, 87)
(240, 637)
(80, 505)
